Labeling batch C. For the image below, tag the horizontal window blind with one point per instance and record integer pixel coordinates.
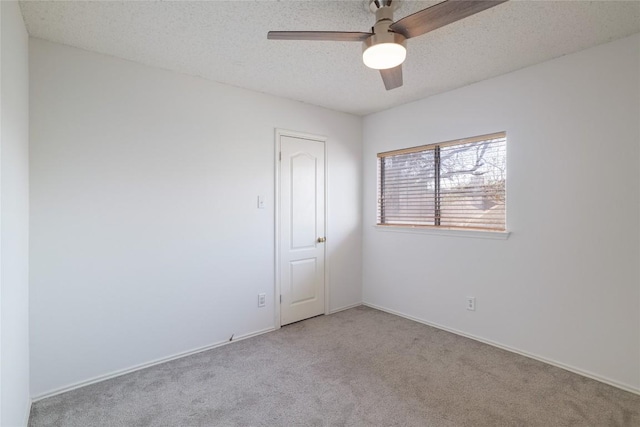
(455, 184)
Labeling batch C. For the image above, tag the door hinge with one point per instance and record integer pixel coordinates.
(280, 156)
(280, 299)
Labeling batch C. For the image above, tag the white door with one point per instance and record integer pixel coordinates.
(302, 228)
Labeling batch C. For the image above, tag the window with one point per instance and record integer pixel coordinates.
(454, 184)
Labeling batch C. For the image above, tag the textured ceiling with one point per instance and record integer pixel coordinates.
(226, 41)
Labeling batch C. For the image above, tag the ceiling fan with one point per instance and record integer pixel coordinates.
(384, 47)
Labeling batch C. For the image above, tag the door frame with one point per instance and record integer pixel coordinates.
(277, 285)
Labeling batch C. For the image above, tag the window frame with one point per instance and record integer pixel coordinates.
(436, 228)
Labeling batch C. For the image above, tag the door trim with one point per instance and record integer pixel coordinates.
(318, 138)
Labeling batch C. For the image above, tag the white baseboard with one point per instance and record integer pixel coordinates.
(346, 307)
(125, 371)
(614, 383)
(28, 414)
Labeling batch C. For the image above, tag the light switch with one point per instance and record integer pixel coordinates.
(260, 202)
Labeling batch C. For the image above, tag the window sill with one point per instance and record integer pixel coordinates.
(453, 232)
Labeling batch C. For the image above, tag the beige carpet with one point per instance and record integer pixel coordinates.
(359, 367)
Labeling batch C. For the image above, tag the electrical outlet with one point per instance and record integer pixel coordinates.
(260, 202)
(471, 303)
(262, 300)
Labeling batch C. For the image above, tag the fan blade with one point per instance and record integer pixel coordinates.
(336, 36)
(439, 15)
(392, 77)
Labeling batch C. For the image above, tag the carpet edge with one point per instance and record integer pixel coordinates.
(591, 375)
(120, 372)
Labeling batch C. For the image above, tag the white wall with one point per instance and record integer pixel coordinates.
(146, 237)
(565, 286)
(14, 217)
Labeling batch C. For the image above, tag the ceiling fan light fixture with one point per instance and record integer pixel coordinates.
(384, 51)
(384, 55)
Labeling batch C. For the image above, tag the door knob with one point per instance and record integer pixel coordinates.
(322, 239)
